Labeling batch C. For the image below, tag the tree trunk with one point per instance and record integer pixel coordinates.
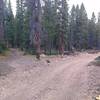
(61, 44)
(1, 21)
(35, 25)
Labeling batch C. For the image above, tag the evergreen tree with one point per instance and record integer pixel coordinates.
(9, 25)
(1, 21)
(98, 32)
(62, 25)
(83, 27)
(49, 24)
(26, 35)
(20, 24)
(72, 27)
(92, 32)
(35, 25)
(77, 29)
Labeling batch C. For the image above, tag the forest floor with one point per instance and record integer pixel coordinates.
(67, 78)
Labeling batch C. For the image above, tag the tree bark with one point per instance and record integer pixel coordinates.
(35, 25)
(1, 21)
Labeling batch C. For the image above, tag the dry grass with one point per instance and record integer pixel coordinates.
(4, 56)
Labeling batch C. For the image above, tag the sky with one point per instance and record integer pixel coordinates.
(90, 5)
(14, 6)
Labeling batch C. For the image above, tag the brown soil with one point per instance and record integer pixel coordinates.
(67, 78)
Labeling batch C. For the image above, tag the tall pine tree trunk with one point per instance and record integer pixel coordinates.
(61, 44)
(63, 25)
(35, 25)
(1, 22)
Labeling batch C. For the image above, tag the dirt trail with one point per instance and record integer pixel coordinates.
(63, 79)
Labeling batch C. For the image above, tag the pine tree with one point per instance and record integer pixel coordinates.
(83, 27)
(35, 25)
(9, 25)
(1, 21)
(26, 35)
(49, 24)
(79, 27)
(98, 32)
(92, 32)
(72, 27)
(20, 24)
(62, 16)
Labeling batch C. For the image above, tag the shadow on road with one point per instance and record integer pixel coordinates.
(5, 69)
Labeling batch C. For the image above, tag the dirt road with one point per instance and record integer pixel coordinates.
(63, 79)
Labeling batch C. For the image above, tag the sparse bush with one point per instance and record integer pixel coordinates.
(52, 52)
(96, 62)
(2, 48)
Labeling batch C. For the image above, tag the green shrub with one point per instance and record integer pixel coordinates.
(53, 52)
(30, 51)
(2, 48)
